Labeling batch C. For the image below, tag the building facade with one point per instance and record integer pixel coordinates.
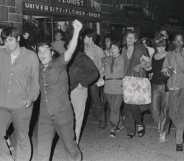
(11, 13)
(144, 15)
(51, 15)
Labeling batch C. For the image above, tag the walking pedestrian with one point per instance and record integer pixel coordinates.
(19, 88)
(104, 119)
(114, 73)
(173, 67)
(95, 53)
(159, 88)
(132, 55)
(56, 113)
(82, 73)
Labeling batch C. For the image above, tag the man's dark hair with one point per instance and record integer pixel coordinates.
(135, 33)
(46, 42)
(159, 41)
(10, 31)
(90, 33)
(118, 44)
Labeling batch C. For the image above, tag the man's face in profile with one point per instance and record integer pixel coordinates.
(26, 35)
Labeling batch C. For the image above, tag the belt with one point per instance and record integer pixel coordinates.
(113, 78)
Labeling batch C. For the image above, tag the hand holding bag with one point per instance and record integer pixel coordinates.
(136, 90)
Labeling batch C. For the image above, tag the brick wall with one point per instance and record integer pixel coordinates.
(11, 13)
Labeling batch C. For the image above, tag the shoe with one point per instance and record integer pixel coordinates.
(179, 147)
(162, 138)
(121, 125)
(131, 135)
(140, 130)
(113, 133)
(117, 129)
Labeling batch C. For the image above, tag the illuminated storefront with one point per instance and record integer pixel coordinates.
(55, 13)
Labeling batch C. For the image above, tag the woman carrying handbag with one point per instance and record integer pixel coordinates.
(133, 53)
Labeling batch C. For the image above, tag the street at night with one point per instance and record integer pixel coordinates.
(98, 146)
(91, 80)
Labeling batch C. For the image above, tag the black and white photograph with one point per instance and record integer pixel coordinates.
(91, 80)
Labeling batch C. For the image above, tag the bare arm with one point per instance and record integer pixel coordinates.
(73, 43)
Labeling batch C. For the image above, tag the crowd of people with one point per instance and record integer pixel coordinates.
(65, 78)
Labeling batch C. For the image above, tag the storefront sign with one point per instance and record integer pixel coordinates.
(58, 9)
(79, 3)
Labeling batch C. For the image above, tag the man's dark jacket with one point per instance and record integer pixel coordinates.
(82, 70)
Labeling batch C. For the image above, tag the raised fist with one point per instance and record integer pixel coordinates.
(77, 25)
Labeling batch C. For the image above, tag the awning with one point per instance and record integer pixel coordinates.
(59, 10)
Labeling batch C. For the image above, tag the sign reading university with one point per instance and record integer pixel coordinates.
(60, 7)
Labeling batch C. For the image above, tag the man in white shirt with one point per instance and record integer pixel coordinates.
(96, 54)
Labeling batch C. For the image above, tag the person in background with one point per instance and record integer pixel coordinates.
(95, 53)
(56, 114)
(165, 35)
(147, 44)
(19, 88)
(1, 41)
(104, 120)
(173, 67)
(159, 88)
(133, 53)
(97, 40)
(82, 73)
(59, 44)
(114, 73)
(108, 44)
(27, 41)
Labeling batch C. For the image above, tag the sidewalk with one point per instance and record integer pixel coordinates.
(96, 145)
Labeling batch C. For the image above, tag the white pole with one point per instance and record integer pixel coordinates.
(98, 28)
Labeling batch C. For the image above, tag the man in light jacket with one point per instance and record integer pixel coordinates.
(19, 88)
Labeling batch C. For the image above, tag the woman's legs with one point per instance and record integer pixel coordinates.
(78, 98)
(176, 113)
(164, 117)
(156, 103)
(160, 110)
(133, 118)
(129, 120)
(115, 102)
(179, 138)
(179, 135)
